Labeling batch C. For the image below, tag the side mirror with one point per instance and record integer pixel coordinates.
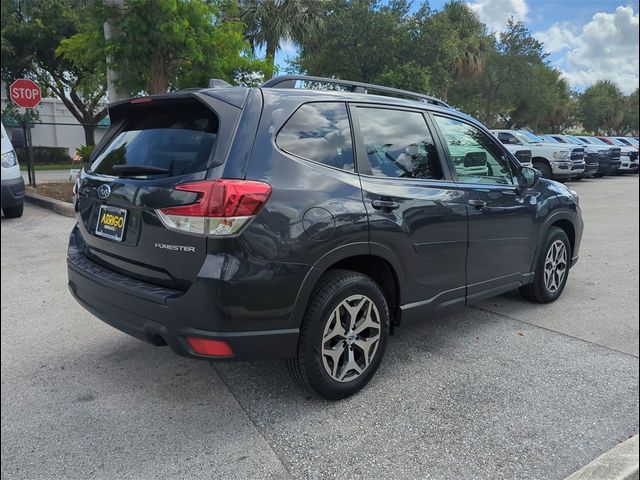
(528, 178)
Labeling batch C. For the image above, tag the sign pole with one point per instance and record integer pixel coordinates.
(30, 167)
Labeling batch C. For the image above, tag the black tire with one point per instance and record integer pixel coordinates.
(537, 291)
(307, 367)
(544, 169)
(13, 212)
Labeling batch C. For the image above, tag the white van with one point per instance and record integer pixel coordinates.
(12, 182)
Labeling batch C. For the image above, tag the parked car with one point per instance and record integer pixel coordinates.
(523, 155)
(593, 156)
(630, 141)
(557, 162)
(615, 152)
(306, 224)
(628, 154)
(12, 182)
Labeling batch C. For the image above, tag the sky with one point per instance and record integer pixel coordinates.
(588, 40)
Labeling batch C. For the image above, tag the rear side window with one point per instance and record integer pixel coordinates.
(319, 132)
(179, 138)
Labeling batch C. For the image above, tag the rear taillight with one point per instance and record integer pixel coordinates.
(223, 207)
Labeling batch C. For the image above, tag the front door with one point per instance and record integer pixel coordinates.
(502, 220)
(415, 210)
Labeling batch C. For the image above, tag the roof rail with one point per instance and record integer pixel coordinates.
(289, 81)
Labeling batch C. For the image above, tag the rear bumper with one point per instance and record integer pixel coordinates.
(12, 192)
(163, 316)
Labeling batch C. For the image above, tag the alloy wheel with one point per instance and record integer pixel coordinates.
(555, 266)
(351, 337)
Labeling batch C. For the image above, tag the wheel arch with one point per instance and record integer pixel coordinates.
(377, 262)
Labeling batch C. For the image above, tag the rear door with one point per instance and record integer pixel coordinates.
(502, 221)
(152, 146)
(414, 208)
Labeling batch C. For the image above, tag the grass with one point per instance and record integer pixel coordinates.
(59, 191)
(53, 166)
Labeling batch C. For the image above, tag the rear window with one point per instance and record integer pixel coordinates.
(319, 132)
(180, 138)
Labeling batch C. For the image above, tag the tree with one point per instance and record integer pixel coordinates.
(31, 34)
(630, 121)
(269, 22)
(602, 107)
(170, 45)
(454, 44)
(363, 40)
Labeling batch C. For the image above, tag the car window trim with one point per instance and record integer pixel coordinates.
(363, 160)
(505, 153)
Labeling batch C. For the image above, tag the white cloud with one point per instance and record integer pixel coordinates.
(605, 48)
(496, 13)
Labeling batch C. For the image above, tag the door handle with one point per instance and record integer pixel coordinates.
(384, 204)
(479, 204)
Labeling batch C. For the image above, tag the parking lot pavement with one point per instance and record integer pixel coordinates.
(600, 303)
(474, 394)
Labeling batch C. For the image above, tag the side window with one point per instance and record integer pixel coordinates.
(319, 132)
(398, 144)
(476, 158)
(507, 138)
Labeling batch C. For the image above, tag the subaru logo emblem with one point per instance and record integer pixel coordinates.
(104, 191)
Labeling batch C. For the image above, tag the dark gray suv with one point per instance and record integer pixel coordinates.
(307, 223)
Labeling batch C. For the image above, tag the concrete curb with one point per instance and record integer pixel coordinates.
(58, 206)
(619, 463)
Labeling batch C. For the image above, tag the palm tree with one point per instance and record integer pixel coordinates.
(269, 22)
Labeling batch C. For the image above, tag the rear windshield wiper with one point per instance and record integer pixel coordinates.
(135, 170)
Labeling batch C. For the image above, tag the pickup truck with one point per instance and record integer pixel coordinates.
(596, 158)
(554, 161)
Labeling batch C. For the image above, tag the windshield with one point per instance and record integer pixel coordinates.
(574, 140)
(617, 142)
(530, 137)
(549, 138)
(179, 140)
(632, 141)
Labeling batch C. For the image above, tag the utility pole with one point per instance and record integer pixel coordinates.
(114, 92)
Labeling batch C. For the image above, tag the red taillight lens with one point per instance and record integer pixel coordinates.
(209, 347)
(222, 207)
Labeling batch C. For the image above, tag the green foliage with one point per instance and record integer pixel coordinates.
(630, 113)
(602, 107)
(361, 40)
(84, 152)
(169, 45)
(44, 155)
(32, 33)
(268, 22)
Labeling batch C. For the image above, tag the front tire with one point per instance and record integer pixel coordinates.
(13, 212)
(343, 335)
(551, 270)
(545, 170)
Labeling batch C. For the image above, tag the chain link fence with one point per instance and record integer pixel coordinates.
(50, 153)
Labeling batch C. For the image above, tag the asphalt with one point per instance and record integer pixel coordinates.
(504, 390)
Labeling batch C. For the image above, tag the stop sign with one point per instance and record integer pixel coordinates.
(25, 93)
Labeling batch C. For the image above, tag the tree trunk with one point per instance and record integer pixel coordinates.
(89, 134)
(271, 57)
(158, 73)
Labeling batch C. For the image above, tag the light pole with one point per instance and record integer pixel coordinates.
(114, 92)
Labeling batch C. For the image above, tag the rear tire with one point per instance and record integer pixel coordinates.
(13, 212)
(551, 268)
(545, 170)
(343, 336)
